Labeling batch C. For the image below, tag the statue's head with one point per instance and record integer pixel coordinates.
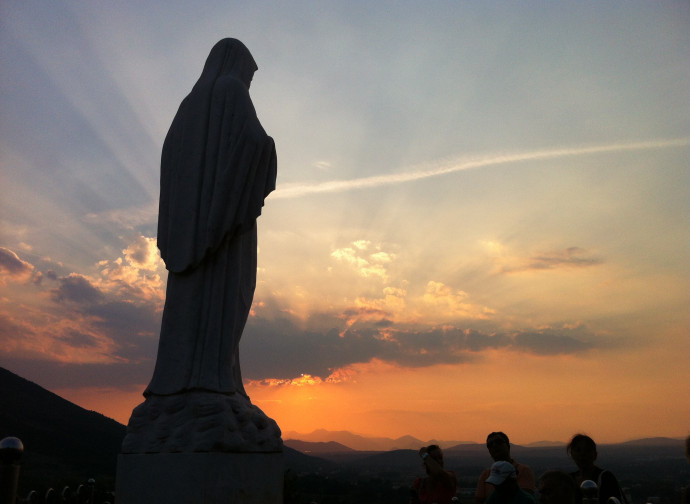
(230, 57)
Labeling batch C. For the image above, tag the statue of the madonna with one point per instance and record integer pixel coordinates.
(217, 167)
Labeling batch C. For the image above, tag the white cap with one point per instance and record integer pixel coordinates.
(500, 472)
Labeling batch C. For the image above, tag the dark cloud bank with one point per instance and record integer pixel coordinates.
(282, 349)
(273, 346)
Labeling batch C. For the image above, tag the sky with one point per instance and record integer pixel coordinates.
(481, 219)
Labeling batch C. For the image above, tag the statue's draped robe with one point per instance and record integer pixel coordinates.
(217, 166)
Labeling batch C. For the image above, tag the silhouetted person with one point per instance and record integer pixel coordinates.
(557, 487)
(583, 450)
(685, 495)
(507, 491)
(498, 445)
(438, 486)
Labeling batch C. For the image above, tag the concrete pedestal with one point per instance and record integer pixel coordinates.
(199, 478)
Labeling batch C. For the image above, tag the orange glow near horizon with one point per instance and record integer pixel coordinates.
(381, 400)
(474, 400)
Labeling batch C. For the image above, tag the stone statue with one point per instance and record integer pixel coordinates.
(217, 167)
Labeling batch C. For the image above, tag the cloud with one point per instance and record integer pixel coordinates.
(143, 253)
(322, 165)
(391, 306)
(97, 332)
(301, 381)
(76, 288)
(13, 268)
(137, 275)
(44, 335)
(110, 319)
(445, 167)
(550, 343)
(442, 300)
(124, 304)
(78, 339)
(569, 258)
(283, 348)
(368, 263)
(12, 332)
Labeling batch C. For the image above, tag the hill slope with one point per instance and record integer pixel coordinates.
(315, 448)
(85, 442)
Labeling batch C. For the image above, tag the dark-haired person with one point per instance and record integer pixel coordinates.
(498, 445)
(583, 450)
(438, 486)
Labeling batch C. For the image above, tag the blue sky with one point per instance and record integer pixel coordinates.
(479, 191)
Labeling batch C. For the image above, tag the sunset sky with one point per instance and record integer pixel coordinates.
(481, 221)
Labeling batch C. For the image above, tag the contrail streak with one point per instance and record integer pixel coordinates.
(455, 165)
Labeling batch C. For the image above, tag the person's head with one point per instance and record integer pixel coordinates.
(435, 453)
(503, 473)
(557, 487)
(583, 450)
(498, 445)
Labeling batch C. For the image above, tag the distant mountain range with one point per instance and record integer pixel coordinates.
(364, 443)
(322, 440)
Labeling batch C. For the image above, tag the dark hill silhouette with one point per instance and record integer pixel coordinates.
(538, 444)
(653, 442)
(301, 463)
(315, 448)
(62, 441)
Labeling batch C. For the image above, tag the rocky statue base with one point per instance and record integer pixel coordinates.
(193, 422)
(200, 448)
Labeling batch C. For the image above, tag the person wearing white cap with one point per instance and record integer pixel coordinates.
(504, 478)
(498, 445)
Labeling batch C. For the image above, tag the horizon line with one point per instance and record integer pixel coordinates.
(544, 442)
